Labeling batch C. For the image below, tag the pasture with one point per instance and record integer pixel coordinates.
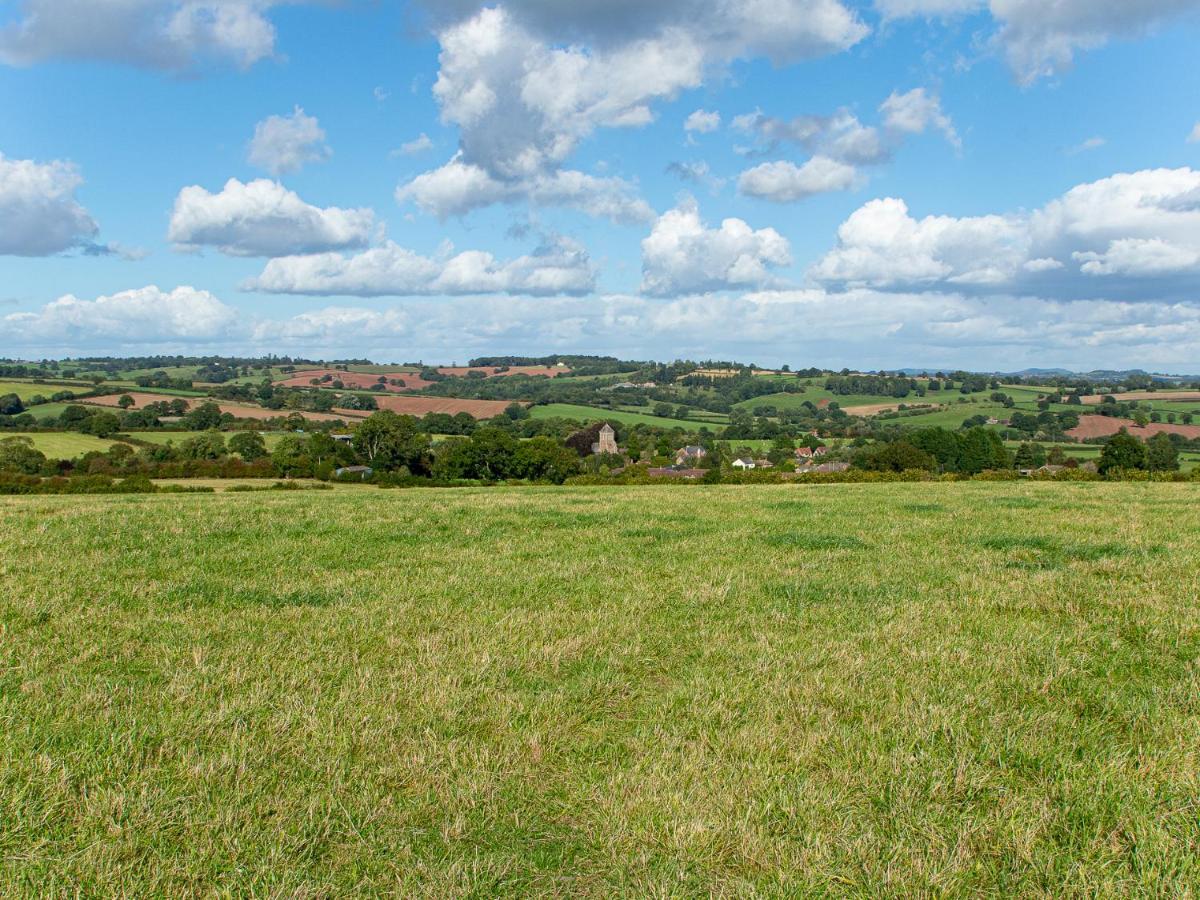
(623, 416)
(62, 444)
(27, 389)
(865, 690)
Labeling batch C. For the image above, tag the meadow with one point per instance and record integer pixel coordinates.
(867, 690)
(62, 444)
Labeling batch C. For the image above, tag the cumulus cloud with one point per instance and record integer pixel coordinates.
(915, 111)
(263, 218)
(839, 144)
(161, 34)
(1138, 233)
(560, 267)
(702, 121)
(682, 256)
(459, 187)
(130, 317)
(39, 214)
(527, 82)
(420, 144)
(284, 144)
(1041, 39)
(785, 182)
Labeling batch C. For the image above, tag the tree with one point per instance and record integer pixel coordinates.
(101, 425)
(17, 454)
(944, 446)
(1056, 457)
(1030, 456)
(290, 457)
(898, 456)
(516, 411)
(982, 449)
(1161, 454)
(125, 401)
(210, 445)
(204, 417)
(387, 441)
(249, 445)
(11, 405)
(545, 459)
(1123, 451)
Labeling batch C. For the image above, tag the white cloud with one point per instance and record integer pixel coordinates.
(262, 218)
(163, 34)
(1039, 38)
(916, 111)
(1139, 256)
(1194, 137)
(130, 317)
(527, 82)
(458, 187)
(1137, 232)
(39, 214)
(420, 144)
(840, 136)
(336, 326)
(682, 256)
(1092, 143)
(702, 121)
(785, 182)
(561, 267)
(283, 144)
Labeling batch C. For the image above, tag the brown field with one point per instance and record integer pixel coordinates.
(240, 410)
(1103, 426)
(421, 406)
(1165, 396)
(140, 400)
(872, 409)
(356, 380)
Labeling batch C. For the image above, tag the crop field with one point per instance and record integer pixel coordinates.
(62, 445)
(865, 690)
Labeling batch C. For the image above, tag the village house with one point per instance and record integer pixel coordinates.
(743, 463)
(689, 454)
(803, 453)
(607, 442)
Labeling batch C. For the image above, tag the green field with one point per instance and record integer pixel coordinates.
(270, 438)
(593, 414)
(908, 690)
(27, 389)
(62, 445)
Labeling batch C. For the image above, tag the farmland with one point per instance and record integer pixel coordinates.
(901, 690)
(27, 389)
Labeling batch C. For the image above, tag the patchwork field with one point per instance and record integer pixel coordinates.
(889, 690)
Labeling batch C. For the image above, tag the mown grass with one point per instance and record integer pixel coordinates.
(785, 690)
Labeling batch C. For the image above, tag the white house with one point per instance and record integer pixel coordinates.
(744, 463)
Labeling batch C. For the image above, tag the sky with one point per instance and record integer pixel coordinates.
(980, 184)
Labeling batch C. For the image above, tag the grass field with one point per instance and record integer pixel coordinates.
(270, 438)
(888, 690)
(27, 389)
(62, 445)
(592, 414)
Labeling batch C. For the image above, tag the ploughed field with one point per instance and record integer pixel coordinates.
(869, 690)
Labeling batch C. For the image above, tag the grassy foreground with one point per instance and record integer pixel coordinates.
(869, 690)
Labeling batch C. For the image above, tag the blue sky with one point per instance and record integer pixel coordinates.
(976, 183)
